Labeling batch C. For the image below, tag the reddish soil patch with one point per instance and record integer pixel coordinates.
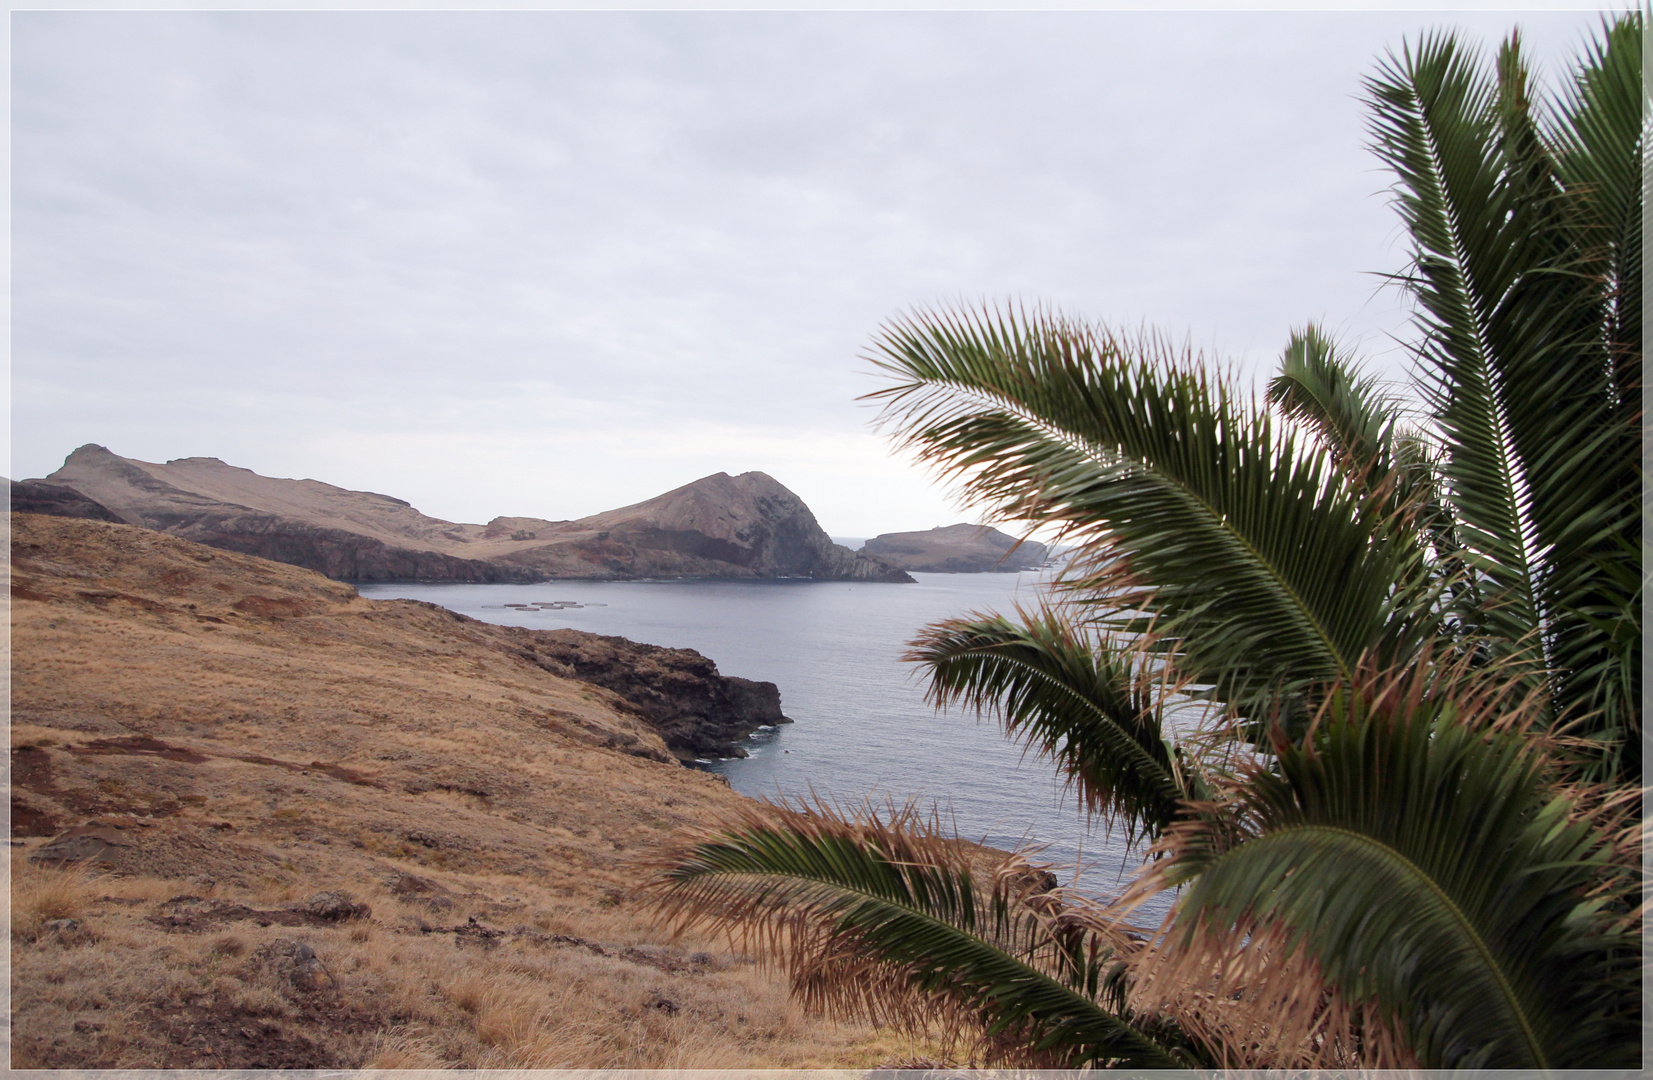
(270, 607)
(23, 592)
(193, 915)
(31, 768)
(337, 772)
(141, 746)
(216, 1033)
(27, 821)
(102, 599)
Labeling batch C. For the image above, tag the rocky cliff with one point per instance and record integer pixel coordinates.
(698, 712)
(956, 549)
(746, 526)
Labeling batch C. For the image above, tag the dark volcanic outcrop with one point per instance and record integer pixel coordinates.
(956, 549)
(55, 500)
(746, 526)
(698, 712)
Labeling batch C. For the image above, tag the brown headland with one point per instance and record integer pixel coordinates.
(957, 549)
(260, 821)
(720, 526)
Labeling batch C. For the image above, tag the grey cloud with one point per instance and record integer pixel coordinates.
(451, 223)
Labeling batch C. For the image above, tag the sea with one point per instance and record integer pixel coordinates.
(862, 732)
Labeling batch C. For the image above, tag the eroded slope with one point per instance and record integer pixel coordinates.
(203, 742)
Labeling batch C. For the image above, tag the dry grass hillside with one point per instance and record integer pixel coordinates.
(259, 821)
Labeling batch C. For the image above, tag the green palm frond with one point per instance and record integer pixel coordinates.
(1090, 703)
(1425, 865)
(1526, 232)
(1256, 561)
(885, 920)
(1599, 137)
(1595, 585)
(1435, 123)
(1321, 387)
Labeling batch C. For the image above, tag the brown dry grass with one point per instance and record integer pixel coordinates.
(345, 748)
(41, 895)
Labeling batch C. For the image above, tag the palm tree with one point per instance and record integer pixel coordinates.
(1405, 833)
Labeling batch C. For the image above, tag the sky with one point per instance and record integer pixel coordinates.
(551, 263)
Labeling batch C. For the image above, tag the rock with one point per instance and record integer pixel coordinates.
(91, 844)
(63, 926)
(333, 906)
(406, 884)
(295, 962)
(697, 711)
(956, 549)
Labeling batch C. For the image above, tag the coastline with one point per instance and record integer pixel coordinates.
(204, 743)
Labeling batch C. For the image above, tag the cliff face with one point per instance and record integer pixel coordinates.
(956, 549)
(679, 692)
(747, 526)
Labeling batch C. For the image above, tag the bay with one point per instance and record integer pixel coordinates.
(863, 731)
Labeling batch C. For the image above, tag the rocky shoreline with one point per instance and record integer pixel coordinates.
(698, 712)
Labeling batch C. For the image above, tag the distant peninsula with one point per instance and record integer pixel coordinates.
(719, 527)
(956, 549)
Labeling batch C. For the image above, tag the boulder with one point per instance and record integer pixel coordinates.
(92, 844)
(333, 906)
(294, 962)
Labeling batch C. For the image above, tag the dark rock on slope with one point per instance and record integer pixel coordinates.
(338, 553)
(56, 500)
(746, 526)
(956, 549)
(698, 712)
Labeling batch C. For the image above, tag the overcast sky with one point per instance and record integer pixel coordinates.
(552, 263)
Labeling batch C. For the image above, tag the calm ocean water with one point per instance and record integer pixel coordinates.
(862, 730)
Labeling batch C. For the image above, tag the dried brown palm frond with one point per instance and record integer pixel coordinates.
(1257, 1002)
(877, 915)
